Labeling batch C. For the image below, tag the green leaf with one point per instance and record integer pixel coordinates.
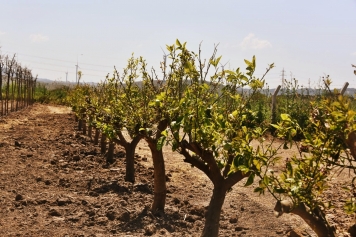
(164, 133)
(227, 146)
(285, 117)
(243, 168)
(250, 179)
(160, 142)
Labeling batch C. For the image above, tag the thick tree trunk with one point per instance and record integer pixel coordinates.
(314, 219)
(84, 125)
(110, 154)
(130, 159)
(90, 130)
(80, 123)
(96, 137)
(212, 217)
(160, 189)
(103, 143)
(130, 163)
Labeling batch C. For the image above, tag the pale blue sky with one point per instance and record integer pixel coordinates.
(309, 38)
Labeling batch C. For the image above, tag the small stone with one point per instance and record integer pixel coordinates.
(190, 219)
(18, 197)
(54, 212)
(63, 201)
(123, 203)
(233, 220)
(176, 201)
(125, 216)
(76, 157)
(47, 182)
(150, 229)
(17, 144)
(111, 215)
(91, 213)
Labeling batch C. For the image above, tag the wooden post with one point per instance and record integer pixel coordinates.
(344, 88)
(274, 105)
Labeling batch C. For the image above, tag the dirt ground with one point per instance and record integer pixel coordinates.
(55, 182)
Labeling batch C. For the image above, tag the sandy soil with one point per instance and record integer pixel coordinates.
(55, 182)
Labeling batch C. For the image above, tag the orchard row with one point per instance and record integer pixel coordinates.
(196, 107)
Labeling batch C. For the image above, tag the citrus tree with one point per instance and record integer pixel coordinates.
(328, 144)
(208, 123)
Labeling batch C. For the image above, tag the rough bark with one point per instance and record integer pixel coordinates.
(84, 126)
(205, 161)
(160, 189)
(90, 130)
(80, 123)
(212, 217)
(103, 143)
(110, 153)
(130, 164)
(130, 148)
(314, 219)
(96, 137)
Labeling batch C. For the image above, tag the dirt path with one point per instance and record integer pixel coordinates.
(54, 182)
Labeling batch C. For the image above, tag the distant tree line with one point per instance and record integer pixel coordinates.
(17, 85)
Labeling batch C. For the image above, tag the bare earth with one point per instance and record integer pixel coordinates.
(55, 182)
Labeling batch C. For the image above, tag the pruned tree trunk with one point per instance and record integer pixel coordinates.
(204, 160)
(212, 217)
(110, 153)
(103, 143)
(96, 136)
(130, 164)
(160, 189)
(314, 218)
(130, 148)
(90, 130)
(84, 126)
(80, 123)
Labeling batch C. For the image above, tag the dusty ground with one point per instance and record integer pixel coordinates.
(54, 182)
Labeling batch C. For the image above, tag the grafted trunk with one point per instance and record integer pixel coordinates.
(160, 189)
(96, 137)
(103, 143)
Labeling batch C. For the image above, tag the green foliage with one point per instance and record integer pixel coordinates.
(56, 96)
(220, 128)
(305, 177)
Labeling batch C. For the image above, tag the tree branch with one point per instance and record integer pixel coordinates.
(195, 162)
